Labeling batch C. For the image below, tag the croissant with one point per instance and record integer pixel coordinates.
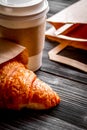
(20, 87)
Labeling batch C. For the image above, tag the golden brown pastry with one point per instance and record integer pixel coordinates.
(20, 87)
(23, 57)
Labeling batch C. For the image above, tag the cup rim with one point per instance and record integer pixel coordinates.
(24, 11)
(19, 5)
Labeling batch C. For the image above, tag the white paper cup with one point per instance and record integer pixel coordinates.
(23, 21)
(35, 61)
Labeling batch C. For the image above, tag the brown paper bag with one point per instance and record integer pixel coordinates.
(54, 53)
(10, 50)
(69, 28)
(75, 13)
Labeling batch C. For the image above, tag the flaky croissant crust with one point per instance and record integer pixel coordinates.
(20, 87)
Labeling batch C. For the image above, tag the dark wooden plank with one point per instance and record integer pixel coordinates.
(41, 121)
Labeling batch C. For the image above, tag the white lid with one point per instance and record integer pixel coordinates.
(19, 3)
(22, 7)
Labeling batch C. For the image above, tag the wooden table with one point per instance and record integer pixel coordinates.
(68, 82)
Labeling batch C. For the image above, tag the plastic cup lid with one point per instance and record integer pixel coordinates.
(22, 7)
(19, 3)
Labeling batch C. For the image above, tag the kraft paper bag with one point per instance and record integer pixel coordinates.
(75, 13)
(71, 23)
(10, 50)
(69, 28)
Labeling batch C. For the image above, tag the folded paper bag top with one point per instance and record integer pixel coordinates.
(10, 50)
(71, 23)
(75, 13)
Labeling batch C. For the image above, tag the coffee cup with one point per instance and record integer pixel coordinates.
(24, 22)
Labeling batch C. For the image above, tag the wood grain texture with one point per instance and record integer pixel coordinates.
(68, 82)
